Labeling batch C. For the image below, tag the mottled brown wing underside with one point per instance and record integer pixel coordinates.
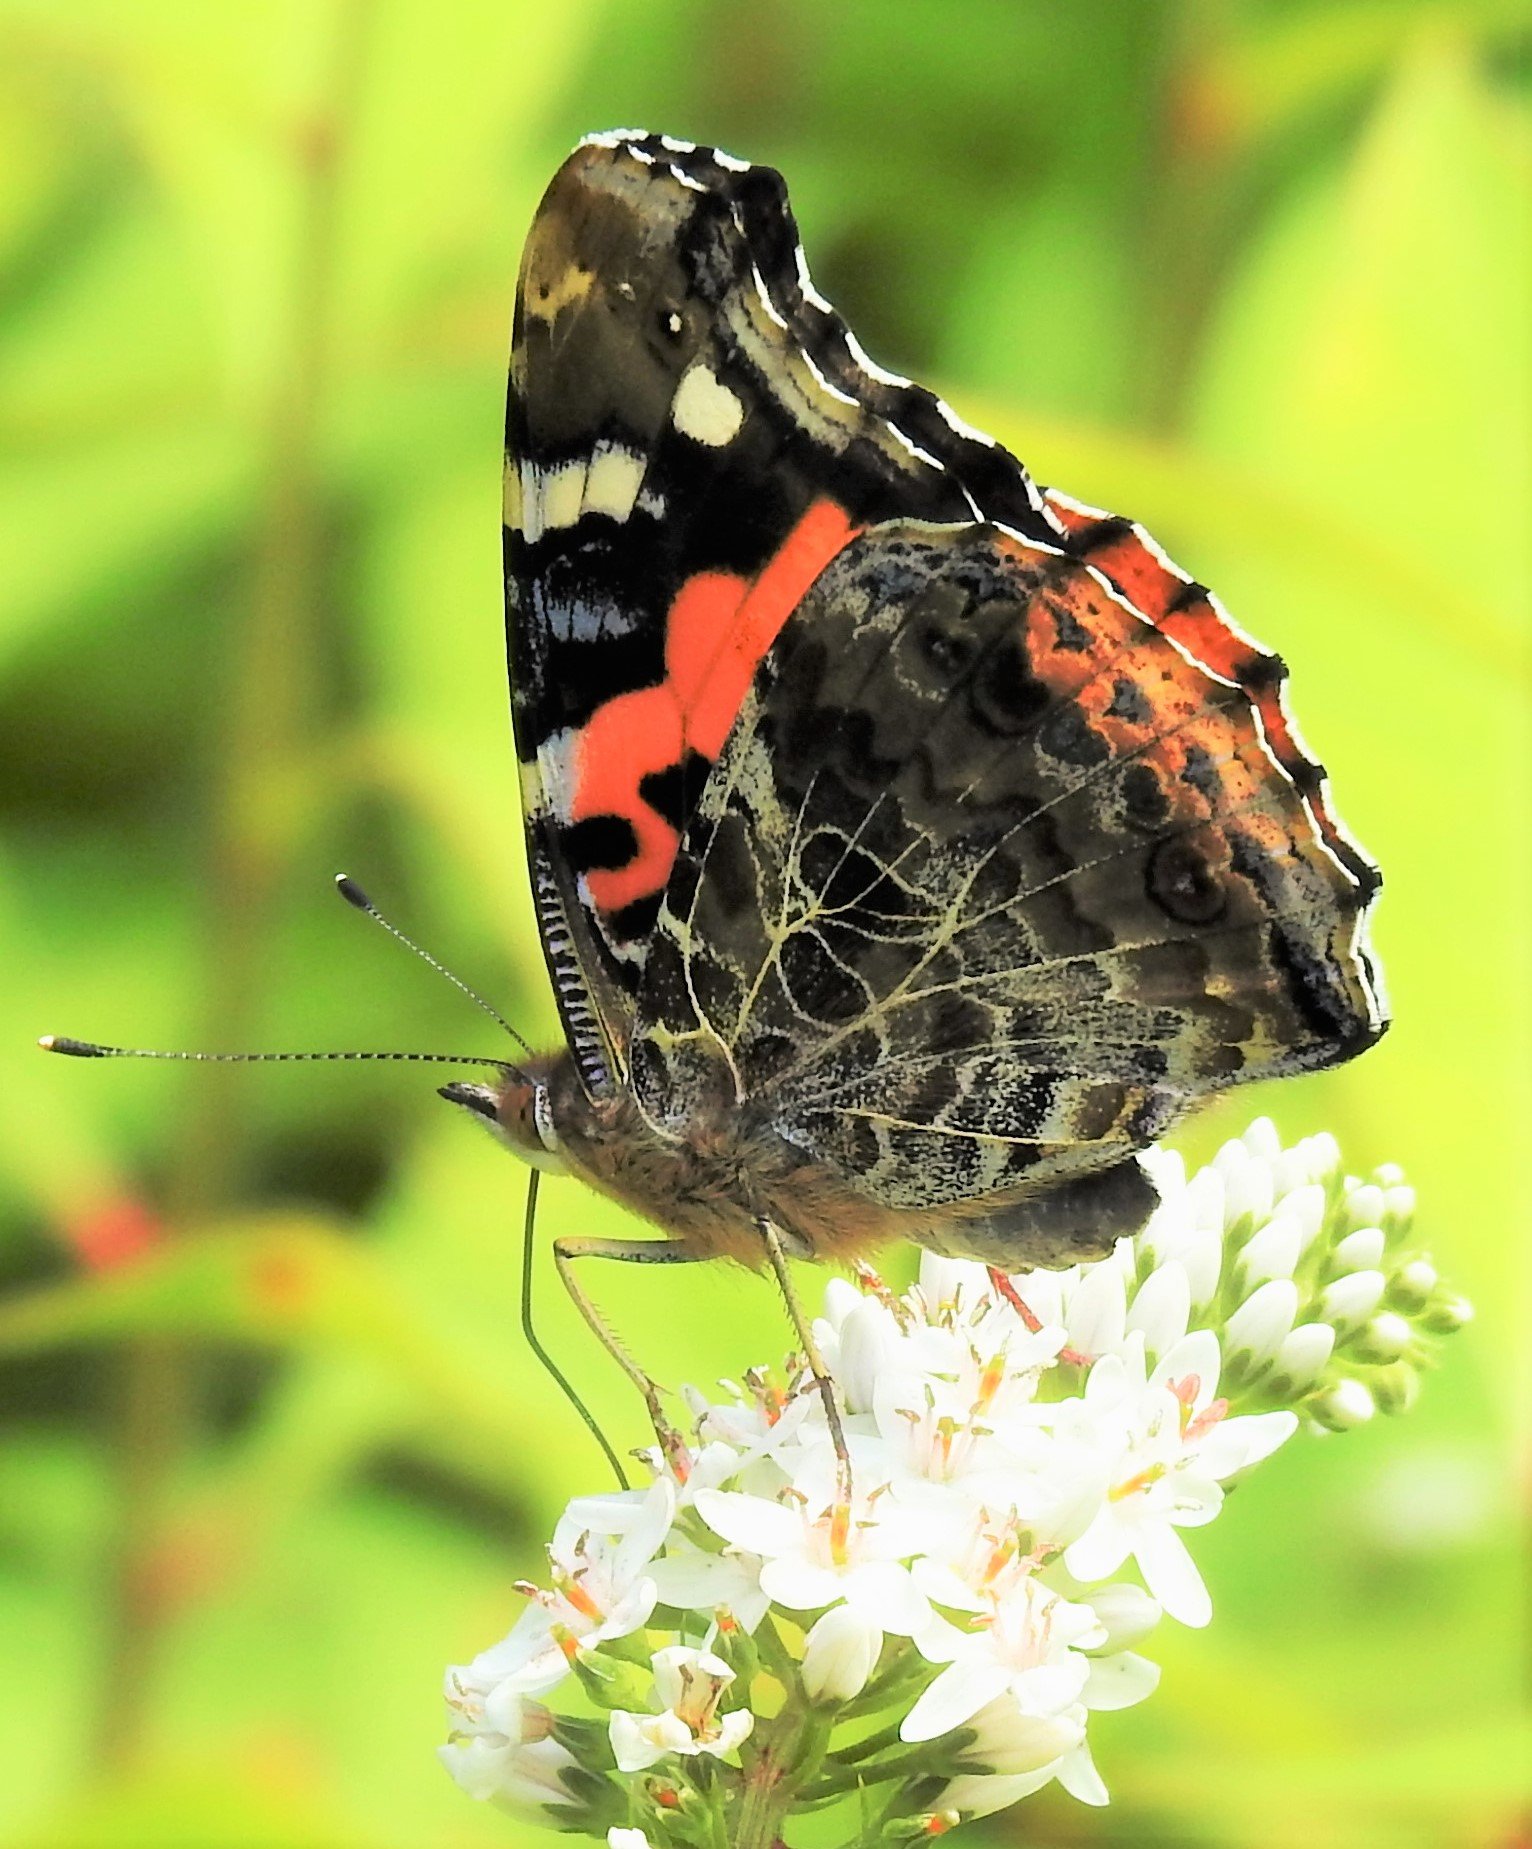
(991, 883)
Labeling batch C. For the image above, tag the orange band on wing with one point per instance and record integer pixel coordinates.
(729, 653)
(1192, 619)
(632, 736)
(717, 632)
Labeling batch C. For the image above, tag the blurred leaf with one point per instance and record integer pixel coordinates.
(1298, 59)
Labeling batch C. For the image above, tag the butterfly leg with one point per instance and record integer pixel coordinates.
(1008, 1293)
(633, 1252)
(805, 1333)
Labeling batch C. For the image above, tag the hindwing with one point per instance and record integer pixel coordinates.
(993, 880)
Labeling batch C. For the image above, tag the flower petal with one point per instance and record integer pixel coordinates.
(750, 1522)
(1100, 1550)
(954, 1697)
(800, 1585)
(1120, 1681)
(1171, 1574)
(1078, 1775)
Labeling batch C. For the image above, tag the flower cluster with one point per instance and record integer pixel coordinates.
(1027, 1456)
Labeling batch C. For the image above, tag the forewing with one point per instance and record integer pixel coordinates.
(993, 880)
(691, 435)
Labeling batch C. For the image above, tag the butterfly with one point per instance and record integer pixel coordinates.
(911, 845)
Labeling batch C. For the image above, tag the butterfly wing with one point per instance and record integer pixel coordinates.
(994, 880)
(691, 435)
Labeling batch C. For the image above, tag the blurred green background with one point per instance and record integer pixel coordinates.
(273, 1451)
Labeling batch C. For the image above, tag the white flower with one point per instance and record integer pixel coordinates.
(689, 1685)
(693, 1580)
(600, 1553)
(952, 1411)
(818, 1551)
(1171, 1446)
(761, 1427)
(1017, 1447)
(1008, 1741)
(1028, 1648)
(502, 1750)
(1013, 1754)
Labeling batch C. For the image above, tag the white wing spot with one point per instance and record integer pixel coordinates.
(613, 481)
(558, 495)
(705, 410)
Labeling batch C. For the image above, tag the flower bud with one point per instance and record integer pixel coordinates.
(1006, 1741)
(1387, 1175)
(1385, 1338)
(1413, 1284)
(1398, 1209)
(1322, 1156)
(1364, 1205)
(1162, 1307)
(1304, 1355)
(839, 1655)
(1306, 1205)
(1344, 1407)
(609, 1681)
(1350, 1300)
(1270, 1252)
(1361, 1250)
(1289, 1172)
(1447, 1315)
(1201, 1258)
(1248, 1193)
(866, 1342)
(1262, 1322)
(918, 1828)
(1262, 1141)
(1396, 1388)
(1204, 1200)
(1098, 1310)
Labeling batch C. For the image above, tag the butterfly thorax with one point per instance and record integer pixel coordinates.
(707, 1186)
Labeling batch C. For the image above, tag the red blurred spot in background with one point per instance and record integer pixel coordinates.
(114, 1234)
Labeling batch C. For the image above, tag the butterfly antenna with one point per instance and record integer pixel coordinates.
(528, 1248)
(93, 1049)
(353, 895)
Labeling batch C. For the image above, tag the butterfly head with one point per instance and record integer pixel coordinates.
(518, 1111)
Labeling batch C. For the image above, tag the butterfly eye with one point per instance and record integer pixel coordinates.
(671, 323)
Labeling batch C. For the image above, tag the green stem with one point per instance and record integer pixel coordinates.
(789, 1758)
(768, 1794)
